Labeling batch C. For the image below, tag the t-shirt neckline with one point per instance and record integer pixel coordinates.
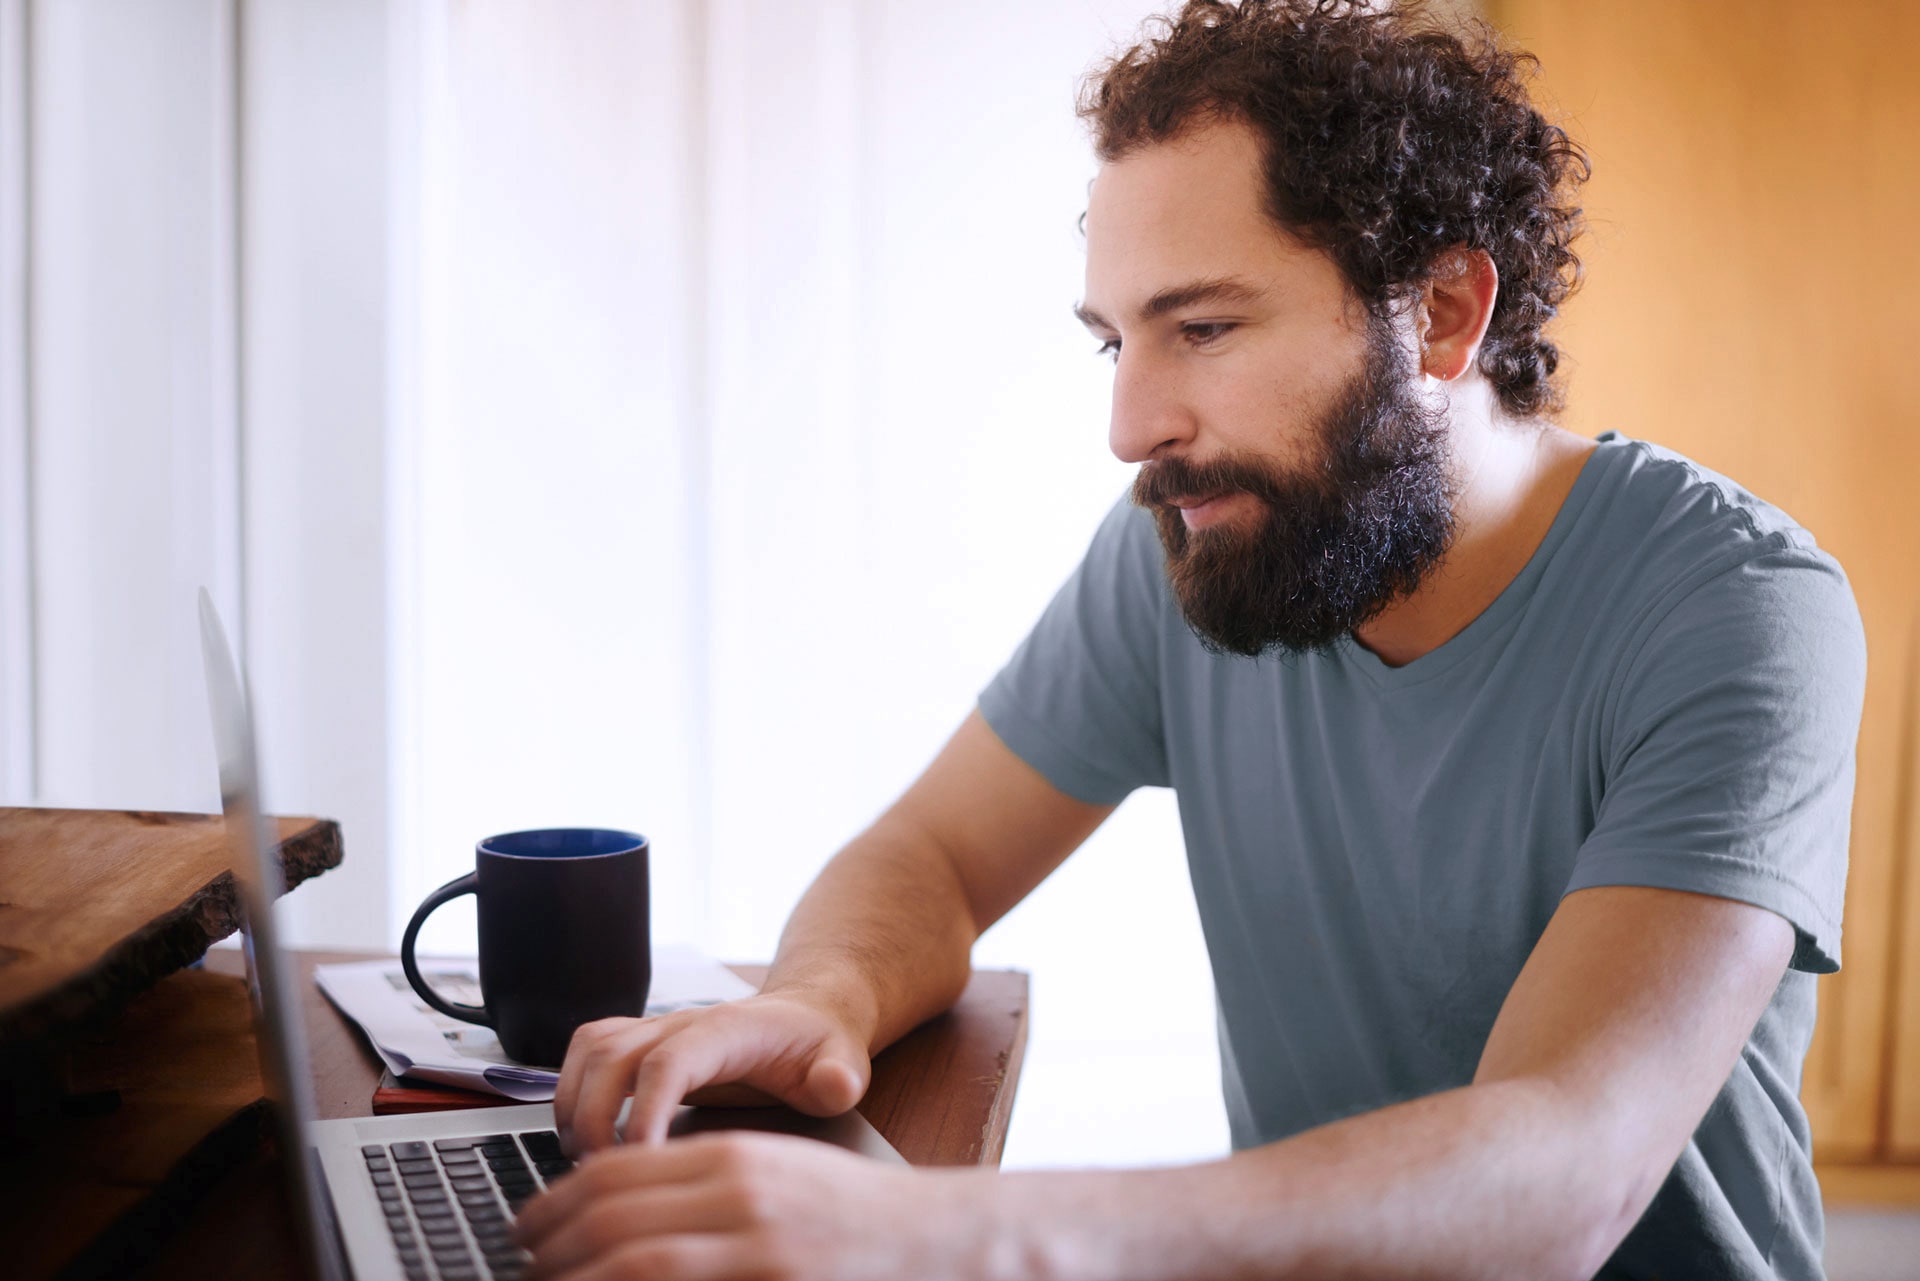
(1513, 598)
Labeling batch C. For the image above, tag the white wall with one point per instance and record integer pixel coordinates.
(16, 485)
(557, 672)
(195, 231)
(725, 556)
(133, 488)
(655, 414)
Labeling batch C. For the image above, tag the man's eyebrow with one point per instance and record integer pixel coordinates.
(1216, 289)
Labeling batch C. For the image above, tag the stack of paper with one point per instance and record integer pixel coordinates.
(416, 1040)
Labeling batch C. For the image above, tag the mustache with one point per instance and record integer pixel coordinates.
(1170, 481)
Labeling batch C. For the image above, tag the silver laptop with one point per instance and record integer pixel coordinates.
(427, 1196)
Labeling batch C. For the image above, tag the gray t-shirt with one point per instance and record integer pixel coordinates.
(1667, 695)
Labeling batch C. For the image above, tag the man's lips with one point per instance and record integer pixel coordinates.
(1201, 512)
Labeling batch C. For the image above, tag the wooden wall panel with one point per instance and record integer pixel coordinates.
(1751, 269)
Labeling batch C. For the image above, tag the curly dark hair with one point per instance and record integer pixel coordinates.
(1390, 139)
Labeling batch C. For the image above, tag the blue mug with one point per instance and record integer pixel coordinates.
(564, 936)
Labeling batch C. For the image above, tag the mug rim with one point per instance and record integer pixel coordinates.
(634, 841)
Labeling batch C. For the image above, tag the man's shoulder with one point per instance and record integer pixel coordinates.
(1691, 555)
(1669, 526)
(1676, 508)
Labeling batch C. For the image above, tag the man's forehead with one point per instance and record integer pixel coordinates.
(1178, 215)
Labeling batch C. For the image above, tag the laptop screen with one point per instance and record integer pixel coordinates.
(276, 1002)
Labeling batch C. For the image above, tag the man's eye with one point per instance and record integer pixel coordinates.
(1110, 349)
(1204, 333)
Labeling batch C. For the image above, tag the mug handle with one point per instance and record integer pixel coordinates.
(453, 889)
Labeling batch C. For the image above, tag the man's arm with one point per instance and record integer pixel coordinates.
(886, 930)
(1621, 1029)
(1625, 1023)
(878, 944)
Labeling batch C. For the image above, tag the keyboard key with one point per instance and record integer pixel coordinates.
(541, 1143)
(455, 1145)
(553, 1169)
(372, 1150)
(465, 1156)
(423, 1166)
(411, 1151)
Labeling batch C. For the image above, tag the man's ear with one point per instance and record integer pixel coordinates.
(1456, 305)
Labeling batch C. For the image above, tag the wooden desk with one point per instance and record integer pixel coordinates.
(942, 1095)
(130, 1122)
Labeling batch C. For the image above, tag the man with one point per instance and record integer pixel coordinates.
(1514, 767)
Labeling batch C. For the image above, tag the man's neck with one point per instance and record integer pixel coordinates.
(1512, 478)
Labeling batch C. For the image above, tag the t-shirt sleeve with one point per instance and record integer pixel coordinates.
(1730, 763)
(1080, 698)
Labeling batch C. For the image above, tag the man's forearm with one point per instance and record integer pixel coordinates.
(883, 935)
(1483, 1182)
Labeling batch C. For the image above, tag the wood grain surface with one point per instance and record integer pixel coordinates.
(98, 905)
(162, 1102)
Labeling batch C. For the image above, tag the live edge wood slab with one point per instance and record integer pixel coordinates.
(128, 1085)
(96, 906)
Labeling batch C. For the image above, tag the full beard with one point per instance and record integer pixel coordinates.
(1332, 547)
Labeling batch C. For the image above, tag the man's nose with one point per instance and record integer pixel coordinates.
(1149, 414)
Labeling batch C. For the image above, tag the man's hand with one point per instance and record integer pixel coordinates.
(744, 1205)
(767, 1048)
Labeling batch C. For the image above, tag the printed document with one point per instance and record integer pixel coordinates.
(416, 1040)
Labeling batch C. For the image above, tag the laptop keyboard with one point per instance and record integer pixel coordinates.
(449, 1203)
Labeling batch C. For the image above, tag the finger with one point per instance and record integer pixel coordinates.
(606, 1075)
(667, 1075)
(566, 1091)
(682, 1258)
(610, 1174)
(606, 1224)
(835, 1081)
